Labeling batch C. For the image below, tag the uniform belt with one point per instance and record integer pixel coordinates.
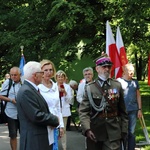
(107, 115)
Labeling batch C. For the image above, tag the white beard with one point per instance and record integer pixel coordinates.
(104, 77)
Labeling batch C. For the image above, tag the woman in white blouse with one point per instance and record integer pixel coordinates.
(49, 91)
(65, 95)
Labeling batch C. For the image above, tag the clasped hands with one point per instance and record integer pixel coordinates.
(63, 91)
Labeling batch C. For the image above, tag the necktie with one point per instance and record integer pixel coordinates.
(102, 83)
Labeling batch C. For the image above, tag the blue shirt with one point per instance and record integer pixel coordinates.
(130, 93)
(11, 109)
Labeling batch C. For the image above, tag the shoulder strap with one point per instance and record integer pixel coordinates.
(9, 86)
(104, 95)
(96, 84)
(96, 107)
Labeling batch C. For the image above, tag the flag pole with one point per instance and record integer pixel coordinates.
(21, 47)
(22, 60)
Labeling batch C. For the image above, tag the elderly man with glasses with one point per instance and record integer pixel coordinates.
(33, 111)
(88, 77)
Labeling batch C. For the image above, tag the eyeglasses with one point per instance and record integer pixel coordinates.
(40, 72)
(87, 74)
(46, 70)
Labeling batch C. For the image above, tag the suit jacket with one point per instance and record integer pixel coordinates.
(34, 117)
(103, 128)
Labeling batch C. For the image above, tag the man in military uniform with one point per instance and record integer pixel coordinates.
(102, 112)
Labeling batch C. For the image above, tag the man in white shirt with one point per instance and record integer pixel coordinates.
(88, 77)
(8, 94)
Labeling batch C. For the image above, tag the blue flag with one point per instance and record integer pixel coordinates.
(55, 144)
(22, 63)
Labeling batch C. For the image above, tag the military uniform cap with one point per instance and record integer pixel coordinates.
(103, 60)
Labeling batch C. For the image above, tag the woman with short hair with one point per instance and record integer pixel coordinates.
(65, 99)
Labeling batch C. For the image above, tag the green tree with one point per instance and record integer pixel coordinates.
(59, 29)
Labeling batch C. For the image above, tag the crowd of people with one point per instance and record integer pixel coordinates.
(40, 106)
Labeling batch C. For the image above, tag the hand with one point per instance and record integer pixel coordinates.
(91, 135)
(14, 101)
(61, 132)
(139, 115)
(63, 91)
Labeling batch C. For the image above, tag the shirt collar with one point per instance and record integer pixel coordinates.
(101, 81)
(34, 85)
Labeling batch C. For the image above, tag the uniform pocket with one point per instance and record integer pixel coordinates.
(97, 99)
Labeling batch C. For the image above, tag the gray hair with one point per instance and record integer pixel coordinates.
(88, 69)
(73, 82)
(16, 68)
(30, 68)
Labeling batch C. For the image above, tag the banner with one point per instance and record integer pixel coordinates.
(122, 53)
(111, 49)
(22, 63)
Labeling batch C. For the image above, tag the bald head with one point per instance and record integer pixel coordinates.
(128, 71)
(15, 74)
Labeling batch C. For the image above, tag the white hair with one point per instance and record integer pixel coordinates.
(30, 68)
(88, 69)
(73, 82)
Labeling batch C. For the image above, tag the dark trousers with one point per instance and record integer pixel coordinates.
(69, 120)
(103, 145)
(13, 127)
(131, 141)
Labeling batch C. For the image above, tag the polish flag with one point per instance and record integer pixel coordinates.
(122, 53)
(111, 49)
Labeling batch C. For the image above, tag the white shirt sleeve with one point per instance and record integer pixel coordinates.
(80, 92)
(68, 97)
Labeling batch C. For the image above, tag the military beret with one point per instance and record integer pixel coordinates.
(103, 60)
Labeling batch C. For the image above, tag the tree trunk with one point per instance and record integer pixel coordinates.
(140, 69)
(138, 66)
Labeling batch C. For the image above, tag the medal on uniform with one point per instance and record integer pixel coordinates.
(112, 94)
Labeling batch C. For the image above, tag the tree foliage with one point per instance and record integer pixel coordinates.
(58, 29)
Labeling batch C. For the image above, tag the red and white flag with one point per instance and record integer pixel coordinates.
(111, 49)
(122, 53)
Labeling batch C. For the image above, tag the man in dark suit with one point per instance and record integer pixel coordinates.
(102, 112)
(33, 112)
